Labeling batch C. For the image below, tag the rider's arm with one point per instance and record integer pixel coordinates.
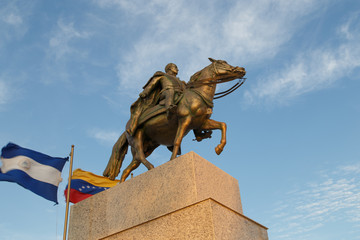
(150, 87)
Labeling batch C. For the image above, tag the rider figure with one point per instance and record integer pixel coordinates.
(169, 85)
(160, 89)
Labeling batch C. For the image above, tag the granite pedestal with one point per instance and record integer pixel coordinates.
(186, 198)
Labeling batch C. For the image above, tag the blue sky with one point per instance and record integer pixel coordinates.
(69, 71)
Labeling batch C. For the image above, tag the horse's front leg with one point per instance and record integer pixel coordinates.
(182, 128)
(210, 124)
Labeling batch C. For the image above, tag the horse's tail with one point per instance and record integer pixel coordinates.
(117, 156)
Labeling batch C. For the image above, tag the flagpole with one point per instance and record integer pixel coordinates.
(68, 192)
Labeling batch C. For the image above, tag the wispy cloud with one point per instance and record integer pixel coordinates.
(256, 30)
(248, 33)
(64, 48)
(242, 32)
(351, 169)
(174, 29)
(63, 35)
(103, 136)
(12, 19)
(8, 92)
(335, 198)
(312, 70)
(13, 15)
(4, 92)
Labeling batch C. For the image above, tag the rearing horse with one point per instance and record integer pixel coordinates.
(193, 112)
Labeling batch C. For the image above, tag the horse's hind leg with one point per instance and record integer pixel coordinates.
(138, 147)
(149, 148)
(132, 166)
(210, 124)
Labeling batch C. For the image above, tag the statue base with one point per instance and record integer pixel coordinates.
(186, 198)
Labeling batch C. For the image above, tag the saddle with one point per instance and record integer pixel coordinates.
(156, 110)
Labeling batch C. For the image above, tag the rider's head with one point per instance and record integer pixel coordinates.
(171, 69)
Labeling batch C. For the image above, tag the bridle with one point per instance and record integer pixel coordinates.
(230, 90)
(216, 80)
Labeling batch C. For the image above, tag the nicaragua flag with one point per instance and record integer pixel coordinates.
(85, 184)
(35, 171)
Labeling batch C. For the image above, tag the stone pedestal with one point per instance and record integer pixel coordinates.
(186, 198)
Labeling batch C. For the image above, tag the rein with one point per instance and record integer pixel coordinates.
(230, 90)
(217, 80)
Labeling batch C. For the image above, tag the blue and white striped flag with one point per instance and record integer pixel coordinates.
(35, 171)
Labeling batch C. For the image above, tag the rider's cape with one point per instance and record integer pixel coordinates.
(145, 108)
(141, 104)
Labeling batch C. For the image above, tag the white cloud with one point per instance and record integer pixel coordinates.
(4, 92)
(132, 6)
(7, 93)
(355, 168)
(242, 32)
(64, 47)
(64, 34)
(11, 13)
(311, 70)
(12, 19)
(13, 25)
(174, 28)
(256, 30)
(10, 88)
(107, 137)
(335, 198)
(248, 31)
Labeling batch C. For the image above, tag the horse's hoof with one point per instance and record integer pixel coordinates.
(218, 150)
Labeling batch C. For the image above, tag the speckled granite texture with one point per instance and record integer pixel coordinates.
(181, 199)
(205, 220)
(193, 222)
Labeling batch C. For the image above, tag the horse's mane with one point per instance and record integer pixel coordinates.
(196, 75)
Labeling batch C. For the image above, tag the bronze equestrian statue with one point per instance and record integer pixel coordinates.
(153, 94)
(159, 118)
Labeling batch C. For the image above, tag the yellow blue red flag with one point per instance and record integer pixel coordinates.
(85, 184)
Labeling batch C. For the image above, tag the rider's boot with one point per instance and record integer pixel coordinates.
(171, 110)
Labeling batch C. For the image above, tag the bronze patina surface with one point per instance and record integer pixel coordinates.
(167, 110)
